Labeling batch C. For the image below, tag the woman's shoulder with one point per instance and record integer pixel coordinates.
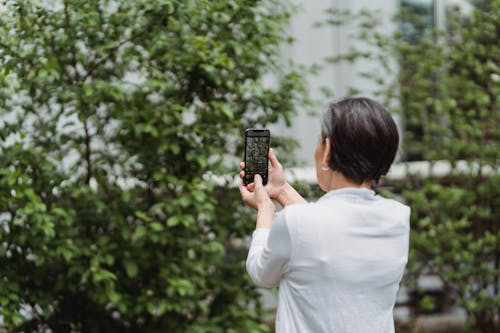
(287, 213)
(298, 208)
(395, 204)
(344, 208)
(297, 213)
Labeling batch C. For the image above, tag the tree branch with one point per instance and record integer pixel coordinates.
(110, 55)
(87, 152)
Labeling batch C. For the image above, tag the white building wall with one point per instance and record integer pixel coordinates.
(312, 46)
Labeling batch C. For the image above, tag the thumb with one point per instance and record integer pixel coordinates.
(261, 196)
(257, 180)
(258, 183)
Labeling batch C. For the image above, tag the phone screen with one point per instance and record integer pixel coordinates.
(256, 154)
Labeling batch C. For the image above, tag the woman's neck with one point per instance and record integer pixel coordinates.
(338, 181)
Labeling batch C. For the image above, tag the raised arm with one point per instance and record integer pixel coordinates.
(270, 248)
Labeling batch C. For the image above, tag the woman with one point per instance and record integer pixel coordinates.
(338, 262)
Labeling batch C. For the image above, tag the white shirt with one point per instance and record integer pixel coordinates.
(338, 262)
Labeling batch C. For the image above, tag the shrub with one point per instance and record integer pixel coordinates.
(115, 117)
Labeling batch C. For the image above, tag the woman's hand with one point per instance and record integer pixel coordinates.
(276, 188)
(260, 200)
(276, 177)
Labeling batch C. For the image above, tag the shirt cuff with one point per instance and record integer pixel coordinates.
(259, 236)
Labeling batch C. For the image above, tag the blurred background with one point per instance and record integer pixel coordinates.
(121, 130)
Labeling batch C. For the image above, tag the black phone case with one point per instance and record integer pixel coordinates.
(263, 171)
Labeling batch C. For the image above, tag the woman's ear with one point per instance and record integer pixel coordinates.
(326, 153)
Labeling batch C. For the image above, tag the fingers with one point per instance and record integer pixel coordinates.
(274, 161)
(242, 168)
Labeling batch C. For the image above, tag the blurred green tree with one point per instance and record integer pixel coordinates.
(114, 115)
(447, 90)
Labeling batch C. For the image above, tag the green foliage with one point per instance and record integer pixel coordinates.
(457, 237)
(447, 90)
(114, 115)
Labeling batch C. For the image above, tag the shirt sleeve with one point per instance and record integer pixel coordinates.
(269, 253)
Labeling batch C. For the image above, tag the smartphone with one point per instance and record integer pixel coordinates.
(256, 154)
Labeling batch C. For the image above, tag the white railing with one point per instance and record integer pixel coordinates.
(398, 171)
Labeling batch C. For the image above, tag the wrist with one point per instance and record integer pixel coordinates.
(267, 207)
(289, 196)
(265, 215)
(283, 194)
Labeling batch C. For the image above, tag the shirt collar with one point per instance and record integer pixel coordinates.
(351, 192)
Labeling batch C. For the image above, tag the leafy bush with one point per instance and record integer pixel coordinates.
(115, 114)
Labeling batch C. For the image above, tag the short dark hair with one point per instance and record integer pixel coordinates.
(364, 138)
